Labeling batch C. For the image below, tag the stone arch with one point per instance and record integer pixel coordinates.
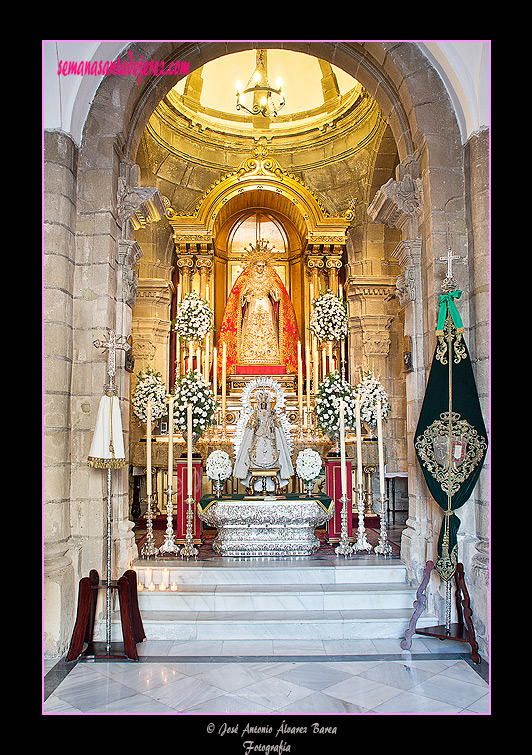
(419, 113)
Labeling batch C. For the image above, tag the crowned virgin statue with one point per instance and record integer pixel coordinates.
(263, 460)
(259, 325)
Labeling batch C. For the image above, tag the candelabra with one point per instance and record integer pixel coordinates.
(169, 545)
(361, 543)
(149, 548)
(189, 549)
(344, 548)
(384, 547)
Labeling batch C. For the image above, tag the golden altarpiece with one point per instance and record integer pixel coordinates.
(258, 210)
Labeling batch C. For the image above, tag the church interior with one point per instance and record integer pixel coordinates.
(229, 248)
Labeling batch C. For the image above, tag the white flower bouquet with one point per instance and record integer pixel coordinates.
(331, 389)
(150, 387)
(193, 389)
(194, 318)
(218, 467)
(308, 464)
(328, 321)
(371, 391)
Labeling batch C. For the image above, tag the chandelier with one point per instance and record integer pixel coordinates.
(264, 102)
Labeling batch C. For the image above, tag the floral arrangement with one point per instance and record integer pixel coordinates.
(150, 387)
(328, 321)
(194, 318)
(371, 391)
(308, 464)
(193, 389)
(331, 389)
(218, 466)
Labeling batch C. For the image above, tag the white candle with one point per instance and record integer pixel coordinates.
(189, 450)
(170, 439)
(380, 442)
(147, 577)
(307, 359)
(207, 358)
(178, 294)
(207, 293)
(299, 380)
(331, 366)
(316, 365)
(215, 371)
(342, 350)
(166, 576)
(190, 356)
(224, 378)
(341, 291)
(178, 356)
(359, 442)
(323, 362)
(148, 449)
(343, 465)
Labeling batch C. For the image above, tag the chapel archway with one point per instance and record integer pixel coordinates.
(415, 206)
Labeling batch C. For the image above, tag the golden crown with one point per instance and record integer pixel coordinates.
(260, 252)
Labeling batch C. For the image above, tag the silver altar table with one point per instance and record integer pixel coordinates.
(265, 526)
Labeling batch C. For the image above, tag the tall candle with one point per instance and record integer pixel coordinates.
(342, 350)
(343, 465)
(307, 359)
(299, 380)
(207, 357)
(191, 356)
(148, 449)
(215, 371)
(178, 356)
(359, 441)
(207, 293)
(178, 294)
(323, 362)
(380, 443)
(331, 365)
(316, 365)
(224, 378)
(189, 450)
(170, 439)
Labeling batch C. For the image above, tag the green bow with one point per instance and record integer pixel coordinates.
(447, 300)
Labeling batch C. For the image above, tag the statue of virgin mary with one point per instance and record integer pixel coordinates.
(259, 325)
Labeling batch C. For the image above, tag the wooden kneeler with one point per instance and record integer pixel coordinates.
(457, 631)
(132, 628)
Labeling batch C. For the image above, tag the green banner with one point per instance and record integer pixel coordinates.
(450, 440)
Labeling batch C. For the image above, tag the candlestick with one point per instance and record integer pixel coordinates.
(189, 549)
(383, 546)
(169, 544)
(189, 450)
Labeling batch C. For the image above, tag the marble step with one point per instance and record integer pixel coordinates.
(277, 625)
(303, 597)
(367, 569)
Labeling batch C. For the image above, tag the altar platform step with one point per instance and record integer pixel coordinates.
(366, 597)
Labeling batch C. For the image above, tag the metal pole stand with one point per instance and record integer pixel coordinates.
(344, 548)
(149, 548)
(361, 543)
(169, 546)
(384, 547)
(189, 549)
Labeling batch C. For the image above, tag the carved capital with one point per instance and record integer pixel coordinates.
(138, 204)
(398, 204)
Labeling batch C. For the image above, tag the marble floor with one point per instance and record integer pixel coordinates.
(329, 679)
